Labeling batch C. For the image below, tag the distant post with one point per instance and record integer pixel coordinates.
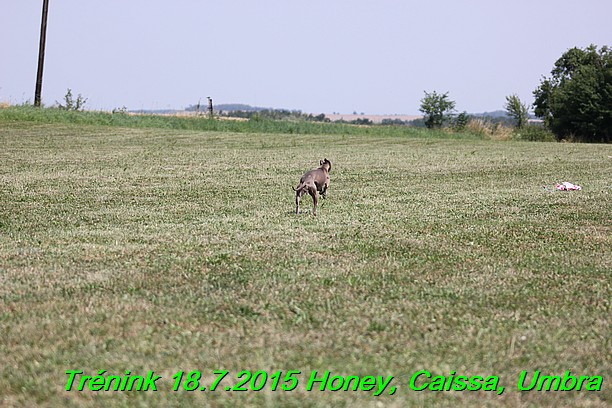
(41, 53)
(210, 107)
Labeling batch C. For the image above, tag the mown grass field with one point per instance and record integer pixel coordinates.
(157, 249)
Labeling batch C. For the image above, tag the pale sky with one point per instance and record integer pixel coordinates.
(318, 56)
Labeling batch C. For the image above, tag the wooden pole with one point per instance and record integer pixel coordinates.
(41, 53)
(210, 107)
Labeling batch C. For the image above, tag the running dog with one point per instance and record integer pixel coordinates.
(313, 182)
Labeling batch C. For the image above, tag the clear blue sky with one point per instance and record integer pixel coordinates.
(318, 56)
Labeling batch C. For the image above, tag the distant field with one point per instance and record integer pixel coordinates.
(177, 250)
(373, 118)
(332, 116)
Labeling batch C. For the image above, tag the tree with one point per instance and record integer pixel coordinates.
(436, 108)
(576, 101)
(517, 110)
(461, 121)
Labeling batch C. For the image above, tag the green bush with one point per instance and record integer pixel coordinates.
(533, 133)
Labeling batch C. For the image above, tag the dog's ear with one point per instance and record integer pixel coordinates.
(322, 161)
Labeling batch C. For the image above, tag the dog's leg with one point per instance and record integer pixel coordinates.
(315, 199)
(325, 187)
(298, 195)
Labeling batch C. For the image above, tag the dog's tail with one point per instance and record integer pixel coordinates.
(298, 188)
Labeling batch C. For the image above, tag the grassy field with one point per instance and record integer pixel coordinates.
(146, 249)
(29, 114)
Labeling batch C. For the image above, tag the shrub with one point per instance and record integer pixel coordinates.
(70, 103)
(461, 121)
(533, 133)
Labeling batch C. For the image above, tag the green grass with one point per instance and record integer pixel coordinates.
(139, 248)
(30, 114)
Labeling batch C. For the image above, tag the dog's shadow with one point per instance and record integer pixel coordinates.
(304, 211)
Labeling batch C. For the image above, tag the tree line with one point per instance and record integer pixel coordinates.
(575, 102)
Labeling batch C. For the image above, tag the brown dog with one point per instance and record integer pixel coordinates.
(313, 182)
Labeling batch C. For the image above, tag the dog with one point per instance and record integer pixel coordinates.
(313, 182)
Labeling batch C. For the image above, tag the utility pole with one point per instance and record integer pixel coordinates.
(41, 53)
(210, 107)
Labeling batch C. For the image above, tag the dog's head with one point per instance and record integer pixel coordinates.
(326, 164)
